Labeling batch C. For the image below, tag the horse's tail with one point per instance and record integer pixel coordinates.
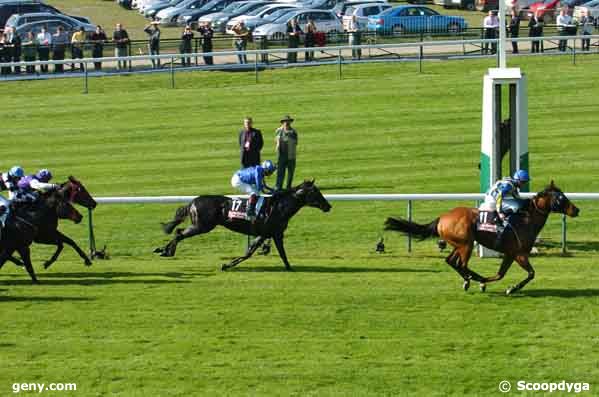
(180, 215)
(412, 228)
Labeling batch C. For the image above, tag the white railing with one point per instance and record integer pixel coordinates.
(410, 198)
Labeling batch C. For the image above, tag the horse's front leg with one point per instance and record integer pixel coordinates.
(59, 248)
(67, 240)
(525, 264)
(251, 249)
(15, 261)
(281, 248)
(503, 268)
(26, 256)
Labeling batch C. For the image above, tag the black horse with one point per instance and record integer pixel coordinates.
(207, 212)
(26, 224)
(72, 191)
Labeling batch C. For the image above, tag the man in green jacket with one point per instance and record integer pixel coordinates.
(286, 145)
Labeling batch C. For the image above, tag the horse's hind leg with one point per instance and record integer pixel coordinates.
(26, 256)
(505, 266)
(251, 249)
(190, 231)
(525, 264)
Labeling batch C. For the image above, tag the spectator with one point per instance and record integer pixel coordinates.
(515, 29)
(250, 144)
(60, 40)
(535, 29)
(77, 42)
(153, 33)
(586, 27)
(354, 36)
(564, 24)
(241, 38)
(207, 32)
(4, 55)
(293, 33)
(286, 144)
(121, 38)
(44, 41)
(29, 51)
(14, 44)
(310, 40)
(98, 39)
(490, 24)
(185, 48)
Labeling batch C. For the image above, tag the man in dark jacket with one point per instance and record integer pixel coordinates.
(14, 43)
(250, 144)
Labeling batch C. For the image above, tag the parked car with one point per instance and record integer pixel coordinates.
(10, 7)
(151, 9)
(461, 4)
(342, 6)
(362, 12)
(169, 16)
(325, 21)
(17, 20)
(51, 26)
(592, 7)
(546, 9)
(191, 17)
(219, 19)
(261, 16)
(415, 19)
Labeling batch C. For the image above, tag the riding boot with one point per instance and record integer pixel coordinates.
(251, 209)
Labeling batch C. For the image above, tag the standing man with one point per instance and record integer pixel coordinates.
(153, 33)
(564, 25)
(535, 29)
(206, 32)
(491, 25)
(44, 41)
(242, 35)
(286, 144)
(121, 39)
(293, 33)
(77, 42)
(60, 40)
(98, 38)
(14, 42)
(514, 29)
(250, 144)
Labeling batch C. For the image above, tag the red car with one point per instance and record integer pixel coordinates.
(545, 8)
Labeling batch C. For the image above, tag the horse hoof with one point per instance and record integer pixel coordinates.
(509, 291)
(224, 268)
(88, 262)
(466, 285)
(158, 250)
(47, 265)
(483, 287)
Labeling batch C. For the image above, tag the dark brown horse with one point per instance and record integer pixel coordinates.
(458, 228)
(73, 192)
(207, 212)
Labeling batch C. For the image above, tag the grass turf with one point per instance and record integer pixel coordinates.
(348, 321)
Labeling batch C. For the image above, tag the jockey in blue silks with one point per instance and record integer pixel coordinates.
(31, 185)
(504, 198)
(250, 180)
(9, 182)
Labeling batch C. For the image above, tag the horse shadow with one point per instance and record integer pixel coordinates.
(331, 269)
(571, 245)
(102, 278)
(552, 292)
(43, 299)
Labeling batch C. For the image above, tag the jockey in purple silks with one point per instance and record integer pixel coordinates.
(9, 181)
(31, 185)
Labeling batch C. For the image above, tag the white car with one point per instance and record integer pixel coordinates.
(260, 16)
(592, 7)
(325, 21)
(362, 12)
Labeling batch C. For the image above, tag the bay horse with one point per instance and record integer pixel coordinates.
(458, 228)
(206, 212)
(71, 191)
(27, 223)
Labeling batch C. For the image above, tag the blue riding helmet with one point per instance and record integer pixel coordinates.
(16, 172)
(269, 167)
(521, 176)
(43, 175)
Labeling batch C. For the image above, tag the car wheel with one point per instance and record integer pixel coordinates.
(453, 28)
(278, 36)
(398, 29)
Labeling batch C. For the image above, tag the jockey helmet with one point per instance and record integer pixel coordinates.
(43, 175)
(521, 176)
(16, 172)
(269, 167)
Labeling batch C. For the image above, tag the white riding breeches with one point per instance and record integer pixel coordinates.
(243, 187)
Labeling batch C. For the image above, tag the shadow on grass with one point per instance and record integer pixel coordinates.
(330, 269)
(549, 292)
(44, 299)
(107, 278)
(571, 245)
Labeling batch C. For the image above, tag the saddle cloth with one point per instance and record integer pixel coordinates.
(487, 221)
(238, 208)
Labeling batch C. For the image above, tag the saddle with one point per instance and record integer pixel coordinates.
(238, 208)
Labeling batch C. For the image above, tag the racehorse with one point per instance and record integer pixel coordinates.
(207, 212)
(28, 222)
(72, 191)
(458, 227)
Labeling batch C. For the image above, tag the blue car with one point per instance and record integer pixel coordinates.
(415, 19)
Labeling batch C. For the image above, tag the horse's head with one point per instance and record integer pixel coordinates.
(65, 210)
(312, 196)
(75, 192)
(552, 199)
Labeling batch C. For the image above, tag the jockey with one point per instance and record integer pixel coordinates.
(9, 181)
(250, 180)
(31, 185)
(504, 197)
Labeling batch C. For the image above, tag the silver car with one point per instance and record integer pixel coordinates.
(261, 16)
(17, 20)
(219, 19)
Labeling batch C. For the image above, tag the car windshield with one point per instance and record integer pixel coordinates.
(247, 7)
(211, 5)
(258, 10)
(387, 11)
(233, 6)
(12, 21)
(278, 14)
